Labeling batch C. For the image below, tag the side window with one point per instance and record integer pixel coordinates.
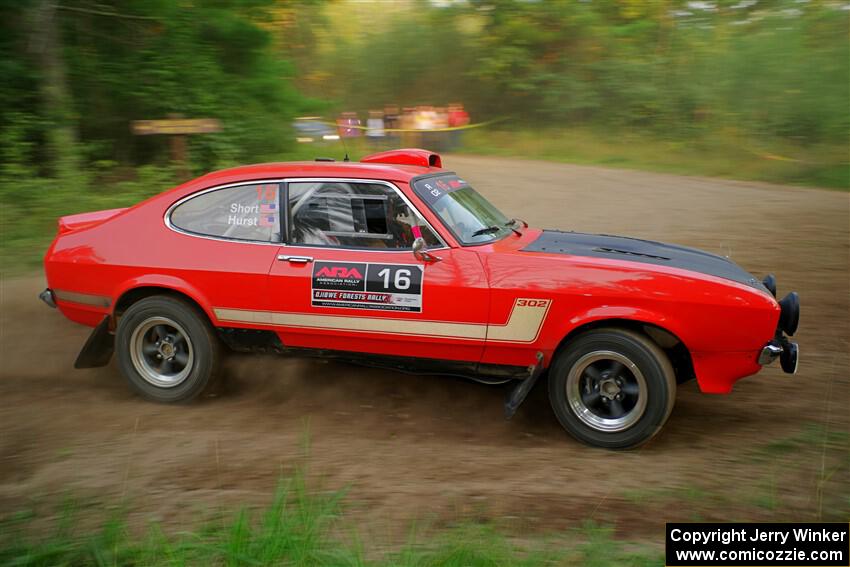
(245, 212)
(355, 215)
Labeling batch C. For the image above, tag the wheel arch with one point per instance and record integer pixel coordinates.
(668, 341)
(140, 289)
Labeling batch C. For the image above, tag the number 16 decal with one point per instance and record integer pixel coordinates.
(401, 280)
(394, 278)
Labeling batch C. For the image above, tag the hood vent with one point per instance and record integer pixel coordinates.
(630, 253)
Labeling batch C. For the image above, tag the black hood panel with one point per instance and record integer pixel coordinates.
(643, 251)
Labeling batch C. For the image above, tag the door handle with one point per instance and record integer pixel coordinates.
(295, 259)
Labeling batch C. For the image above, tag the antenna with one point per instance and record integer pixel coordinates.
(344, 146)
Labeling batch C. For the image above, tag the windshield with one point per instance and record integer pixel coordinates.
(470, 217)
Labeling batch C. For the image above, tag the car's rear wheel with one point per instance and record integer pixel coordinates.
(612, 388)
(167, 349)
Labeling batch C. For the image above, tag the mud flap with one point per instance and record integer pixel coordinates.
(521, 390)
(98, 348)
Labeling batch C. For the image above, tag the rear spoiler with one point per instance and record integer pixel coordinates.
(70, 223)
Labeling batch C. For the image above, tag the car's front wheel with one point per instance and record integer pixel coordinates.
(612, 388)
(167, 349)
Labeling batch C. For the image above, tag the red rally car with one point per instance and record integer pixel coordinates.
(397, 263)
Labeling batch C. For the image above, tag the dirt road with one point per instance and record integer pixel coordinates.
(437, 449)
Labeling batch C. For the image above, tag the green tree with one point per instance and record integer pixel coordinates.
(101, 65)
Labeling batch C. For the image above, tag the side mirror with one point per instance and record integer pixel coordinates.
(420, 251)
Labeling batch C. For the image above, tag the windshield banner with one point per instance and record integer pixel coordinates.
(432, 189)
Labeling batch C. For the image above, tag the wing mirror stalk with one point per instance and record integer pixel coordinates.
(421, 253)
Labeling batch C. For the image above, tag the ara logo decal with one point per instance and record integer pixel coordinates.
(340, 276)
(339, 272)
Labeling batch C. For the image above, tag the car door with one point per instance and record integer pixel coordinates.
(347, 278)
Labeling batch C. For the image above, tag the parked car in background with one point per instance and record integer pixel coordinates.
(310, 129)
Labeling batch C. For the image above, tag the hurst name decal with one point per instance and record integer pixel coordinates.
(522, 326)
(386, 287)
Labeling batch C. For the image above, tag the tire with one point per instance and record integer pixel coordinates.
(143, 356)
(612, 388)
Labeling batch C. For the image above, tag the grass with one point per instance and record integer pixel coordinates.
(724, 154)
(812, 436)
(304, 526)
(300, 527)
(812, 444)
(796, 477)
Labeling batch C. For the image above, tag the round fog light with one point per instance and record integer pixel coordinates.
(789, 358)
(790, 315)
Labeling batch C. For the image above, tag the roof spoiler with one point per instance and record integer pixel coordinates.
(406, 156)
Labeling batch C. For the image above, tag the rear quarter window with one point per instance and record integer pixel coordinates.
(244, 212)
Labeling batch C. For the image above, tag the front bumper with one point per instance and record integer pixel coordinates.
(780, 347)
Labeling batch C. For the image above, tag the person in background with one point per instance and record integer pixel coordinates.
(392, 121)
(424, 121)
(408, 122)
(457, 117)
(439, 138)
(375, 128)
(422, 118)
(345, 122)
